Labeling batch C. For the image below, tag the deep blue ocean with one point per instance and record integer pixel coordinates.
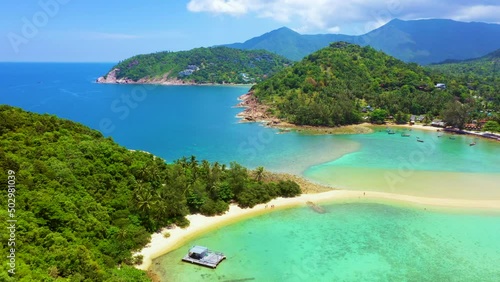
(176, 121)
(168, 121)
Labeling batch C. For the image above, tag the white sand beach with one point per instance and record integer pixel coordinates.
(416, 126)
(160, 245)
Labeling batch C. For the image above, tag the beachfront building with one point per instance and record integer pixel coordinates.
(203, 256)
(198, 252)
(438, 123)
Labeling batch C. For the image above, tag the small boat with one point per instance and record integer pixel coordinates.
(473, 143)
(452, 138)
(420, 140)
(405, 134)
(391, 132)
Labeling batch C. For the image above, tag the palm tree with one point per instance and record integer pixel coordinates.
(182, 162)
(259, 173)
(144, 198)
(193, 162)
(216, 172)
(161, 208)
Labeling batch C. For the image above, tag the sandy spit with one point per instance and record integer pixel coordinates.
(160, 245)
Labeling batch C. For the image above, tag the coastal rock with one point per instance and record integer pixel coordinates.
(163, 80)
(109, 78)
(254, 111)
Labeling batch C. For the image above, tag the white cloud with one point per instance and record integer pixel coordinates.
(479, 13)
(355, 16)
(233, 7)
(333, 29)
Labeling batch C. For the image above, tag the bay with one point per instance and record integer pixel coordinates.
(351, 242)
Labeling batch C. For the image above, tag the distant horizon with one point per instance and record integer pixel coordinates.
(111, 31)
(227, 43)
(282, 27)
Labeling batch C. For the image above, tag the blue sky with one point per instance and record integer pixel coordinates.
(109, 31)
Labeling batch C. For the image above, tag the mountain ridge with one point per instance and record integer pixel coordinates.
(421, 41)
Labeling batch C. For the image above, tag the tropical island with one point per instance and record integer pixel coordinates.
(84, 203)
(79, 187)
(363, 147)
(346, 84)
(342, 84)
(214, 65)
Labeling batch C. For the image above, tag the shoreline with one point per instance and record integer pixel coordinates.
(199, 224)
(110, 78)
(174, 83)
(416, 126)
(256, 112)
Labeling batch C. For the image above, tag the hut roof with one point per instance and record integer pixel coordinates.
(198, 250)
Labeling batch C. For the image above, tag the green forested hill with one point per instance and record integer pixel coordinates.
(82, 202)
(481, 74)
(203, 65)
(334, 85)
(331, 87)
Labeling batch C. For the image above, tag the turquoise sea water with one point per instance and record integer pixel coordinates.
(386, 151)
(176, 121)
(438, 167)
(352, 242)
(168, 121)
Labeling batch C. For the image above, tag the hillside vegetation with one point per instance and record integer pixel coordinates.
(83, 203)
(332, 87)
(481, 74)
(203, 65)
(335, 85)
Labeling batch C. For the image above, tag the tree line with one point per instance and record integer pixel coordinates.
(204, 65)
(84, 203)
(343, 83)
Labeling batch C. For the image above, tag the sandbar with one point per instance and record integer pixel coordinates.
(160, 245)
